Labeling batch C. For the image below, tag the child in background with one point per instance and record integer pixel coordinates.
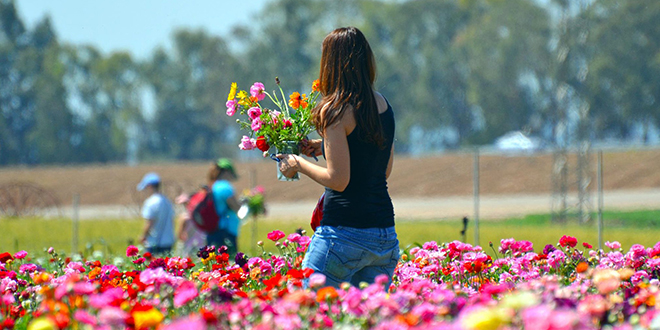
(191, 237)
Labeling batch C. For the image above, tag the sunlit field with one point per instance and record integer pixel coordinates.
(113, 235)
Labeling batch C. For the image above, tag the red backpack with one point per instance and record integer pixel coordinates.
(202, 211)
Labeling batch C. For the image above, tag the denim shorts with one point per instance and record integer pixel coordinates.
(354, 255)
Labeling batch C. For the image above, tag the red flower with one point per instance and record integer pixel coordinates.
(587, 245)
(262, 144)
(274, 281)
(8, 324)
(568, 241)
(132, 251)
(4, 256)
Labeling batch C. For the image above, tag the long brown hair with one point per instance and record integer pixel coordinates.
(347, 74)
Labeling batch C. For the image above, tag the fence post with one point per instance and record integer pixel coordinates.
(475, 181)
(600, 199)
(253, 183)
(74, 224)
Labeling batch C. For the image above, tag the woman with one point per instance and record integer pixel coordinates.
(220, 176)
(356, 240)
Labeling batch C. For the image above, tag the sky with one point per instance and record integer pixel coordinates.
(137, 26)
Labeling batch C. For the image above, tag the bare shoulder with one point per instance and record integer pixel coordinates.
(380, 102)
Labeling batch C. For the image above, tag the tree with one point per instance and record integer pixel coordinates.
(190, 90)
(623, 81)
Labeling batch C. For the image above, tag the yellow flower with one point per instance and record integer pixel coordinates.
(519, 300)
(486, 319)
(42, 323)
(232, 92)
(147, 319)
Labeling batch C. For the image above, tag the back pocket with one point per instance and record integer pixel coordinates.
(343, 260)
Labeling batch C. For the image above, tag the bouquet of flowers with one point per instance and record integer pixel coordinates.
(253, 201)
(281, 127)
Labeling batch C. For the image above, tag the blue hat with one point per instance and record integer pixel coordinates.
(148, 179)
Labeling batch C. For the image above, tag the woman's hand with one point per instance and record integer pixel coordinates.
(311, 148)
(289, 164)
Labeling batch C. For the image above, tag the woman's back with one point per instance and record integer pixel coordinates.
(365, 203)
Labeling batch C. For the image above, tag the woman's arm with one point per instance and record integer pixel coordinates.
(337, 174)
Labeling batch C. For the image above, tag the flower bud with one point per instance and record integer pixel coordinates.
(260, 243)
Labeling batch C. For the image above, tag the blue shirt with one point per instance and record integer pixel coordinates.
(158, 209)
(223, 190)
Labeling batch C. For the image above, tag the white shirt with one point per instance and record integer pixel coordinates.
(158, 208)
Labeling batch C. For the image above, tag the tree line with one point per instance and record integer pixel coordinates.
(463, 72)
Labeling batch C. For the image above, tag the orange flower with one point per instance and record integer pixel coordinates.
(326, 293)
(296, 100)
(316, 85)
(582, 267)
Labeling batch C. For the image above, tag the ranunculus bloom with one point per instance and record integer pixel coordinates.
(275, 235)
(568, 241)
(606, 280)
(247, 143)
(132, 251)
(262, 144)
(231, 107)
(613, 245)
(185, 293)
(254, 113)
(4, 256)
(258, 90)
(147, 319)
(256, 124)
(20, 254)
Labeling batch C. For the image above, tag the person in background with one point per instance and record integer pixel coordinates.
(191, 237)
(158, 234)
(356, 240)
(220, 176)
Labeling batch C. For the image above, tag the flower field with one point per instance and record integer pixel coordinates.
(568, 285)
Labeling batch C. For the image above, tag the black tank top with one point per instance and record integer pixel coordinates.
(365, 203)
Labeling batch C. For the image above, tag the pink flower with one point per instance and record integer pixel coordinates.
(537, 317)
(20, 254)
(139, 261)
(556, 258)
(316, 280)
(304, 241)
(275, 235)
(432, 245)
(286, 123)
(254, 113)
(295, 237)
(231, 107)
(613, 245)
(191, 322)
(83, 316)
(113, 316)
(185, 293)
(132, 251)
(258, 90)
(83, 288)
(247, 143)
(256, 124)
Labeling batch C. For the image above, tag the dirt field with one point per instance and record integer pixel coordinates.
(448, 177)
